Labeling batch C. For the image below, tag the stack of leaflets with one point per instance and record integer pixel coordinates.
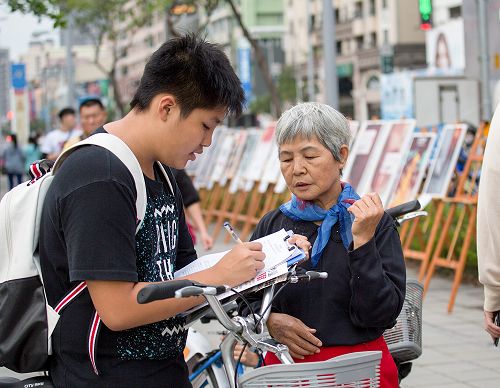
(279, 256)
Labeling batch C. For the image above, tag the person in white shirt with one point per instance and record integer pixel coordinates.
(488, 230)
(54, 141)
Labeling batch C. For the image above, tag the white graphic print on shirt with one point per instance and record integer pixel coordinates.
(156, 247)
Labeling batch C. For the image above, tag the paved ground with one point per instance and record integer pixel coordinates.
(456, 351)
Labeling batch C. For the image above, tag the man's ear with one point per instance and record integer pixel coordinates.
(165, 106)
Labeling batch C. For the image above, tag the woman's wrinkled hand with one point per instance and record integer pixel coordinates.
(293, 333)
(303, 243)
(368, 212)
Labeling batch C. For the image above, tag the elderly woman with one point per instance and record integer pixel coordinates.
(353, 240)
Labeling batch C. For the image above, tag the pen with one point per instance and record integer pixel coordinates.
(231, 231)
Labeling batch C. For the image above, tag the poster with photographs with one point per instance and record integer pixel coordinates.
(233, 163)
(354, 127)
(260, 157)
(364, 146)
(225, 145)
(394, 145)
(204, 166)
(442, 167)
(412, 174)
(240, 179)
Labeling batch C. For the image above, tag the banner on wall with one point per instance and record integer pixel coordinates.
(445, 46)
(396, 90)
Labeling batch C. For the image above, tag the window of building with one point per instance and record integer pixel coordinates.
(339, 47)
(372, 8)
(359, 42)
(149, 41)
(373, 39)
(124, 70)
(373, 83)
(386, 36)
(337, 15)
(455, 12)
(358, 9)
(384, 4)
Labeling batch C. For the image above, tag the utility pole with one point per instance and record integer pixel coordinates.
(329, 49)
(70, 68)
(310, 71)
(485, 59)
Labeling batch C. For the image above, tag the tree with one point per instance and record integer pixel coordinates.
(209, 6)
(102, 20)
(106, 18)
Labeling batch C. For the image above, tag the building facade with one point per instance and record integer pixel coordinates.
(372, 37)
(4, 86)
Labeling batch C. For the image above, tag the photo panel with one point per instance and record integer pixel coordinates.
(441, 170)
(394, 146)
(412, 174)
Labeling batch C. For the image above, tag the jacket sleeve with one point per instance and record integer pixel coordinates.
(488, 218)
(378, 278)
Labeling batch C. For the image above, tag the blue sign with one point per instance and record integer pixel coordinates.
(18, 74)
(245, 71)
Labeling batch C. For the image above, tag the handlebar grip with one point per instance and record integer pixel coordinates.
(160, 291)
(316, 275)
(404, 208)
(185, 292)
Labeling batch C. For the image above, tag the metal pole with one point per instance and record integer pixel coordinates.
(485, 60)
(70, 71)
(310, 71)
(329, 49)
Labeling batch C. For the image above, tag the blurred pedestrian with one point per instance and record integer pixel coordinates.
(191, 200)
(32, 153)
(54, 141)
(488, 227)
(13, 157)
(92, 116)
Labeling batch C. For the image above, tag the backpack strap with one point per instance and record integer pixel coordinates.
(121, 150)
(165, 176)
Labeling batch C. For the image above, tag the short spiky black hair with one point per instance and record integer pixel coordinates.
(197, 73)
(88, 102)
(66, 111)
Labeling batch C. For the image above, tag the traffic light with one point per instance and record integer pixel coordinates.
(425, 9)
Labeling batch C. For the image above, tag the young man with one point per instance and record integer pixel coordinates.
(89, 221)
(92, 116)
(53, 142)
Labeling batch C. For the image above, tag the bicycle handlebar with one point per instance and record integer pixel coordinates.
(176, 289)
(403, 209)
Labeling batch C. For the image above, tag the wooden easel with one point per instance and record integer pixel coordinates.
(458, 231)
(420, 231)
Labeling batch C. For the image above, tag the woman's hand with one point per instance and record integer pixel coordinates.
(293, 333)
(303, 243)
(368, 212)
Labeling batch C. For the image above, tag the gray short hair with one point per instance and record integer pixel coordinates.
(313, 119)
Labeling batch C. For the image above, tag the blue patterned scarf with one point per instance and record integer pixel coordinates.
(299, 210)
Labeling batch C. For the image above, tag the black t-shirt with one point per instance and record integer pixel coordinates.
(88, 232)
(365, 289)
